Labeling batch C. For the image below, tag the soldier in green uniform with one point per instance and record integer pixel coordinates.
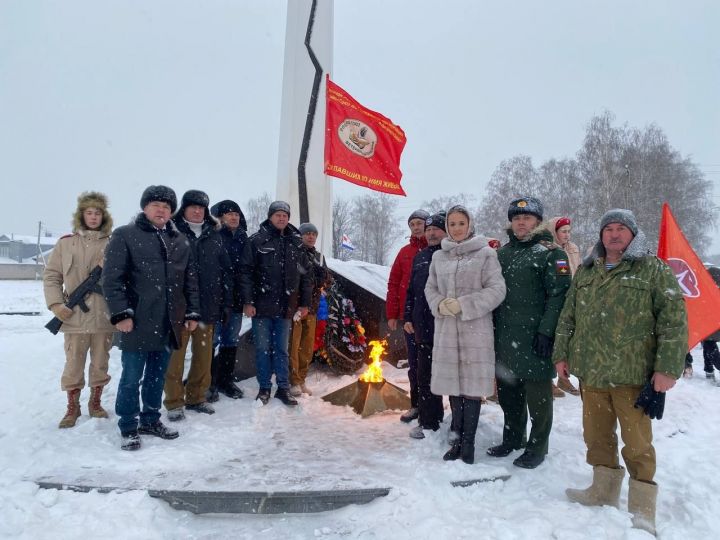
(537, 275)
(624, 324)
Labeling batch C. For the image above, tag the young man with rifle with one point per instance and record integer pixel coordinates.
(73, 294)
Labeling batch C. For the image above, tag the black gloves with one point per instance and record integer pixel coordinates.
(543, 345)
(650, 401)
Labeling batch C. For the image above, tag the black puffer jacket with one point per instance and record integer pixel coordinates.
(149, 276)
(213, 266)
(235, 245)
(417, 310)
(275, 274)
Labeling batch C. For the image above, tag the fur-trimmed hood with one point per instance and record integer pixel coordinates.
(92, 199)
(637, 249)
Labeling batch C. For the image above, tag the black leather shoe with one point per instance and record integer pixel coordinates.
(284, 395)
(130, 441)
(231, 390)
(453, 453)
(264, 396)
(158, 429)
(212, 395)
(411, 414)
(528, 460)
(202, 407)
(501, 450)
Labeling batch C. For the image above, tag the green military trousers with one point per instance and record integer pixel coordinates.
(517, 397)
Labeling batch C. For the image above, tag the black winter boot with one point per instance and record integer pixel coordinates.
(456, 427)
(456, 420)
(284, 395)
(471, 414)
(226, 370)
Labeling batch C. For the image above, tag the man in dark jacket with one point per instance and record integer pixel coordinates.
(150, 285)
(537, 276)
(227, 329)
(395, 300)
(420, 323)
(302, 337)
(276, 286)
(212, 261)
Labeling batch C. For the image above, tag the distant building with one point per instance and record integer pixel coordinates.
(22, 258)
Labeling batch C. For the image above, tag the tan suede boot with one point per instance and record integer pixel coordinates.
(94, 407)
(642, 497)
(73, 409)
(605, 488)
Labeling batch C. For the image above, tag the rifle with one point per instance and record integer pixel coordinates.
(77, 297)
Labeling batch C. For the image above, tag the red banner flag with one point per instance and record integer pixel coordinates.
(702, 296)
(361, 146)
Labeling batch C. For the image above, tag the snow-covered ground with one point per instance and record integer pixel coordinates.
(317, 446)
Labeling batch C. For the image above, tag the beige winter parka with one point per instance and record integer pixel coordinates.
(70, 263)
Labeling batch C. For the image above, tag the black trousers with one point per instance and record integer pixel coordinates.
(517, 397)
(711, 356)
(430, 406)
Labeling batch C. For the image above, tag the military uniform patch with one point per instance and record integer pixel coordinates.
(561, 267)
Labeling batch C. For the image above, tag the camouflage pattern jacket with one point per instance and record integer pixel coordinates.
(619, 326)
(537, 276)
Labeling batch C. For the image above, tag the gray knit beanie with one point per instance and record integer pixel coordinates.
(620, 215)
(305, 228)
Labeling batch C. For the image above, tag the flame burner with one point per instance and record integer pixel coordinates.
(371, 393)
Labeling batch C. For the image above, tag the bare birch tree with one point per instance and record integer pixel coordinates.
(342, 223)
(256, 212)
(376, 227)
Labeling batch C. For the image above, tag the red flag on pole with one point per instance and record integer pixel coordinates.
(702, 296)
(361, 146)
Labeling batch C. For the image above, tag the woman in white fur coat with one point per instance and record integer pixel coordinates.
(465, 285)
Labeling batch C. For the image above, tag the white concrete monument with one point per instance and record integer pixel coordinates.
(308, 57)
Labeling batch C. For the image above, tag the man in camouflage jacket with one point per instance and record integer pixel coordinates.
(623, 324)
(537, 275)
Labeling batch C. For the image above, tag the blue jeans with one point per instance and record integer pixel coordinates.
(227, 334)
(412, 368)
(150, 366)
(271, 351)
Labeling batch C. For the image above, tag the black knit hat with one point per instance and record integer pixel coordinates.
(278, 206)
(419, 214)
(436, 220)
(525, 205)
(223, 207)
(161, 194)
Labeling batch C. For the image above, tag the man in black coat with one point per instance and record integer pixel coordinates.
(150, 285)
(212, 261)
(276, 283)
(227, 329)
(420, 322)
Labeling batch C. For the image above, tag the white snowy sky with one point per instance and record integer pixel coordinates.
(116, 95)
